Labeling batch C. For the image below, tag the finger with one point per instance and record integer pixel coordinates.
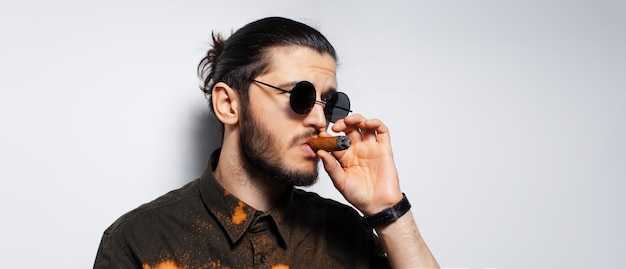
(349, 127)
(355, 124)
(368, 133)
(324, 134)
(380, 129)
(367, 128)
(334, 169)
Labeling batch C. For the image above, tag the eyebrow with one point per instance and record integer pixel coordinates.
(288, 85)
(331, 90)
(328, 93)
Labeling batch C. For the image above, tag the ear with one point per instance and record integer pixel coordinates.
(225, 103)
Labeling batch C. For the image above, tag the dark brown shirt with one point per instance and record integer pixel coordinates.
(202, 226)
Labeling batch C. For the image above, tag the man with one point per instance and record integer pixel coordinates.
(272, 85)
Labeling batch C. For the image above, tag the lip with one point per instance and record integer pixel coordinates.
(308, 150)
(306, 147)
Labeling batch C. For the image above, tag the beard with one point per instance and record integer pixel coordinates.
(260, 151)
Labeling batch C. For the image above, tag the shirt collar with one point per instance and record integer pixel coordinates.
(236, 216)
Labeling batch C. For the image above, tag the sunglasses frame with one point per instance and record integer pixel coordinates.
(327, 114)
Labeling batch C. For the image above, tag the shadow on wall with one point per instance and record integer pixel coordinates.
(206, 136)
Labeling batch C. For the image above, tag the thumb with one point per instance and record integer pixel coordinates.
(333, 168)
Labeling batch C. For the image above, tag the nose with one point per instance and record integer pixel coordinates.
(316, 117)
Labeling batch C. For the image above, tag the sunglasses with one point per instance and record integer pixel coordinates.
(303, 97)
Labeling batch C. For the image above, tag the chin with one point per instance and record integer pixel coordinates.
(304, 180)
(309, 166)
(303, 176)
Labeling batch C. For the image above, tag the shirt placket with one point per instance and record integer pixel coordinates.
(263, 242)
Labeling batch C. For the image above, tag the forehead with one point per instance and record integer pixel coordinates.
(295, 63)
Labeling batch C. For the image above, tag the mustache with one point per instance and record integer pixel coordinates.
(303, 136)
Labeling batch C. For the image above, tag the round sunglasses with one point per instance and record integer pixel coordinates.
(303, 97)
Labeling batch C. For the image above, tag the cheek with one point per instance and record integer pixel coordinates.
(273, 113)
(269, 108)
(279, 119)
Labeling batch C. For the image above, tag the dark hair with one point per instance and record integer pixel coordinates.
(243, 55)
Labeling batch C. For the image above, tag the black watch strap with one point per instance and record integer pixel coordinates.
(390, 214)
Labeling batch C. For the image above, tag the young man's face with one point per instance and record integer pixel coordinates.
(274, 138)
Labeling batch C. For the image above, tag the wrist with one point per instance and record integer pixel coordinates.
(389, 214)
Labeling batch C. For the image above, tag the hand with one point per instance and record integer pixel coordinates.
(365, 174)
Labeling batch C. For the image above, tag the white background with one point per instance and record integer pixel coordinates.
(507, 119)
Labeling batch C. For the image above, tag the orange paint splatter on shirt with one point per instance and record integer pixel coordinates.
(239, 216)
(164, 265)
(280, 266)
(173, 265)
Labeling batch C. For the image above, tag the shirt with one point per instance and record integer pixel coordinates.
(203, 226)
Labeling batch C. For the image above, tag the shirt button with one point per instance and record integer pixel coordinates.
(263, 258)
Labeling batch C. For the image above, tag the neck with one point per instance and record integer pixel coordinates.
(256, 190)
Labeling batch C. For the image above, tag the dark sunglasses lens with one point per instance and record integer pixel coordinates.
(302, 97)
(337, 107)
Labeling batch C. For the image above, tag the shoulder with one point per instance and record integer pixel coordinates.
(320, 207)
(303, 197)
(160, 208)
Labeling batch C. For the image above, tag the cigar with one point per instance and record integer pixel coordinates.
(333, 143)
